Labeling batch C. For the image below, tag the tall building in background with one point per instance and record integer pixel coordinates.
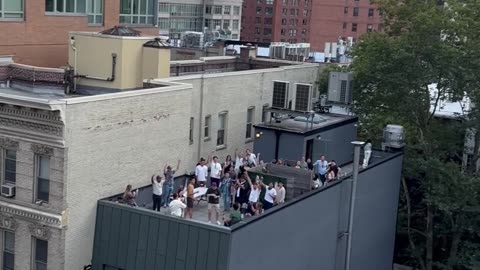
(332, 19)
(276, 20)
(35, 32)
(174, 18)
(316, 22)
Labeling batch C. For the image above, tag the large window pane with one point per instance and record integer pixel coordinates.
(41, 254)
(43, 183)
(125, 6)
(60, 7)
(49, 5)
(8, 250)
(10, 173)
(81, 6)
(13, 5)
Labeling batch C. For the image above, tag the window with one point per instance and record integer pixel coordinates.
(40, 254)
(65, 6)
(208, 9)
(257, 30)
(355, 11)
(250, 119)
(226, 24)
(264, 113)
(236, 10)
(10, 165)
(269, 2)
(95, 11)
(236, 24)
(267, 31)
(268, 10)
(284, 21)
(267, 21)
(293, 32)
(258, 20)
(344, 26)
(206, 128)
(137, 12)
(292, 12)
(370, 12)
(217, 10)
(305, 22)
(285, 11)
(8, 250)
(304, 31)
(294, 2)
(43, 178)
(345, 10)
(283, 32)
(227, 10)
(190, 133)
(259, 10)
(11, 10)
(285, 2)
(354, 27)
(217, 24)
(305, 12)
(222, 126)
(369, 28)
(208, 23)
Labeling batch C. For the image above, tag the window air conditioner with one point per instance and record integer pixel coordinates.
(8, 190)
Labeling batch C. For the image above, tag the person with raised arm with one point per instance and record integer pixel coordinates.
(270, 195)
(169, 174)
(238, 161)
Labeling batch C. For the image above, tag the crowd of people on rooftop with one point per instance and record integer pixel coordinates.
(228, 186)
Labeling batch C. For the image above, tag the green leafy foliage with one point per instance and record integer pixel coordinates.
(427, 42)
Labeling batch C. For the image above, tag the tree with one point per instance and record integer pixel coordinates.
(402, 76)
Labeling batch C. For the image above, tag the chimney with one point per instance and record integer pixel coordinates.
(156, 59)
(248, 52)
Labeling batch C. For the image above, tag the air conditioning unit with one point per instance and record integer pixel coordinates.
(303, 97)
(340, 87)
(8, 190)
(280, 98)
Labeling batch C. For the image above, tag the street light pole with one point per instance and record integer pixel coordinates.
(356, 167)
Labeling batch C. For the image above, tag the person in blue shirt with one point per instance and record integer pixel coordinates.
(320, 167)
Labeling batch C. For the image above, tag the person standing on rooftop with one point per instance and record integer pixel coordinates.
(251, 158)
(201, 172)
(190, 199)
(280, 189)
(176, 206)
(157, 189)
(169, 174)
(215, 170)
(320, 167)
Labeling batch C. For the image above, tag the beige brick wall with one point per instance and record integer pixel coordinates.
(235, 92)
(115, 141)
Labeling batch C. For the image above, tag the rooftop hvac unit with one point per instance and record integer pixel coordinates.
(393, 137)
(340, 87)
(280, 95)
(303, 97)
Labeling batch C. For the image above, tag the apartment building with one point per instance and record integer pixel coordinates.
(276, 21)
(68, 139)
(333, 19)
(35, 32)
(315, 22)
(174, 18)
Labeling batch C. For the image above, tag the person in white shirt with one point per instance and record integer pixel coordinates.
(215, 171)
(280, 189)
(201, 172)
(254, 196)
(157, 189)
(367, 154)
(251, 158)
(270, 195)
(176, 206)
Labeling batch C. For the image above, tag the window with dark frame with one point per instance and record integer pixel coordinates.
(8, 250)
(10, 166)
(43, 178)
(370, 12)
(41, 254)
(206, 128)
(95, 12)
(345, 10)
(250, 119)
(355, 11)
(222, 125)
(137, 12)
(354, 27)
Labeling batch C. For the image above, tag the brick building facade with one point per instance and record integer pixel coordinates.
(279, 20)
(315, 22)
(36, 32)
